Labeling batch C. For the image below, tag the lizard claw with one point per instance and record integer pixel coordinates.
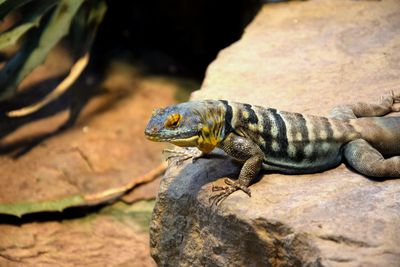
(182, 154)
(229, 181)
(217, 188)
(395, 96)
(396, 99)
(218, 198)
(225, 191)
(238, 186)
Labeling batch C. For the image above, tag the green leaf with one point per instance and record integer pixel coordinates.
(19, 209)
(85, 25)
(32, 20)
(35, 51)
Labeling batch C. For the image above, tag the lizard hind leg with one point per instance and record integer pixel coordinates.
(368, 161)
(352, 111)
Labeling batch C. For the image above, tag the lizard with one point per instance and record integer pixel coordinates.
(268, 139)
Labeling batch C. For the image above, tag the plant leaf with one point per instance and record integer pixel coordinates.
(35, 51)
(76, 70)
(83, 32)
(19, 209)
(85, 25)
(32, 20)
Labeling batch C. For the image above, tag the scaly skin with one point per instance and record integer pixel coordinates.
(265, 138)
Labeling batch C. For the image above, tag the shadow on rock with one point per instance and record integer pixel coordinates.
(73, 100)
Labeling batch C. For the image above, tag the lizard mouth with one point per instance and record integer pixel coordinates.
(169, 139)
(160, 139)
(185, 142)
(190, 141)
(155, 138)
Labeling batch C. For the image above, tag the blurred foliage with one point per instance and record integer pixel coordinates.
(43, 24)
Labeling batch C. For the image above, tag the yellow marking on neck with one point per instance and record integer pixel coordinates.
(205, 146)
(211, 128)
(208, 140)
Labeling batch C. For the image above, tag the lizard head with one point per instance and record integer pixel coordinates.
(195, 123)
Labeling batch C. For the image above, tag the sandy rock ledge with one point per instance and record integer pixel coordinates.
(304, 57)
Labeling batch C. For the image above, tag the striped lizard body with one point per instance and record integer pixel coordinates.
(265, 138)
(291, 142)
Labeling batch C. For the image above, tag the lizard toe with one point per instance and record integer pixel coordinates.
(395, 96)
(217, 188)
(225, 191)
(229, 182)
(218, 198)
(237, 186)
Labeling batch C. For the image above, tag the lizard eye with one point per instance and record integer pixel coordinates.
(173, 120)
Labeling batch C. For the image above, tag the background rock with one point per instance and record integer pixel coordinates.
(304, 57)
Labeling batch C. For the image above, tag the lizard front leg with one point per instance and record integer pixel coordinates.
(183, 154)
(244, 150)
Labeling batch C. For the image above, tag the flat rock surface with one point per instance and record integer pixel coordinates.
(304, 57)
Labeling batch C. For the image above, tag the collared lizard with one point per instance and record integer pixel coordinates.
(269, 139)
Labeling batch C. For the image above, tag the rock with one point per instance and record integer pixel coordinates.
(304, 57)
